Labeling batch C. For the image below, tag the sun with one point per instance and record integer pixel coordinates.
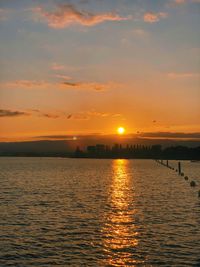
(121, 130)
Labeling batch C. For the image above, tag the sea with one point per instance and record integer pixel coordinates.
(98, 212)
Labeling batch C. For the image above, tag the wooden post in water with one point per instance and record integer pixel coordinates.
(179, 168)
(167, 163)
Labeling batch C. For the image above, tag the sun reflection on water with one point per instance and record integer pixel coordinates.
(120, 233)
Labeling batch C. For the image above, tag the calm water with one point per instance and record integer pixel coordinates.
(71, 212)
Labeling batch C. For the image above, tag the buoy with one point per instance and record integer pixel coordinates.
(186, 178)
(192, 183)
(182, 174)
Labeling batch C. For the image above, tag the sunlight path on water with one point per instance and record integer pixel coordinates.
(120, 232)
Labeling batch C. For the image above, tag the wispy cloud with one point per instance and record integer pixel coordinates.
(48, 115)
(68, 14)
(176, 75)
(180, 2)
(86, 115)
(88, 85)
(62, 76)
(31, 112)
(66, 83)
(12, 113)
(151, 17)
(26, 84)
(181, 136)
(56, 66)
(58, 137)
(174, 135)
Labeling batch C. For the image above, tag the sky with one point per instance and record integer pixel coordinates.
(86, 67)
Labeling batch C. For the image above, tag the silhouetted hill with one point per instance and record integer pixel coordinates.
(37, 148)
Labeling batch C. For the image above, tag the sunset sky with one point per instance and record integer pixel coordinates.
(90, 66)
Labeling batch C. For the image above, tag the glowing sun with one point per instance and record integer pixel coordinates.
(121, 130)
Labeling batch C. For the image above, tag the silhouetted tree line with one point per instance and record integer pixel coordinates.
(139, 152)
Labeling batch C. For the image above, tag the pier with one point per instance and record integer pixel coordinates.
(192, 183)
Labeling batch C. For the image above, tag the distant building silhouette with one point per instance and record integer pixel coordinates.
(138, 151)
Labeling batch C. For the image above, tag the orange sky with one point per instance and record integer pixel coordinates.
(65, 72)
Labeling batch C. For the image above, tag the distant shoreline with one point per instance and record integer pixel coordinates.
(101, 151)
(99, 158)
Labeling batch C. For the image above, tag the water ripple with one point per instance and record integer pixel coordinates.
(66, 212)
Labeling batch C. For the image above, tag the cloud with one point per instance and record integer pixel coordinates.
(37, 113)
(27, 84)
(32, 84)
(175, 135)
(180, 2)
(151, 17)
(135, 138)
(68, 14)
(89, 85)
(64, 77)
(79, 116)
(11, 113)
(98, 114)
(86, 115)
(57, 137)
(56, 66)
(176, 75)
(70, 84)
(45, 114)
(50, 116)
